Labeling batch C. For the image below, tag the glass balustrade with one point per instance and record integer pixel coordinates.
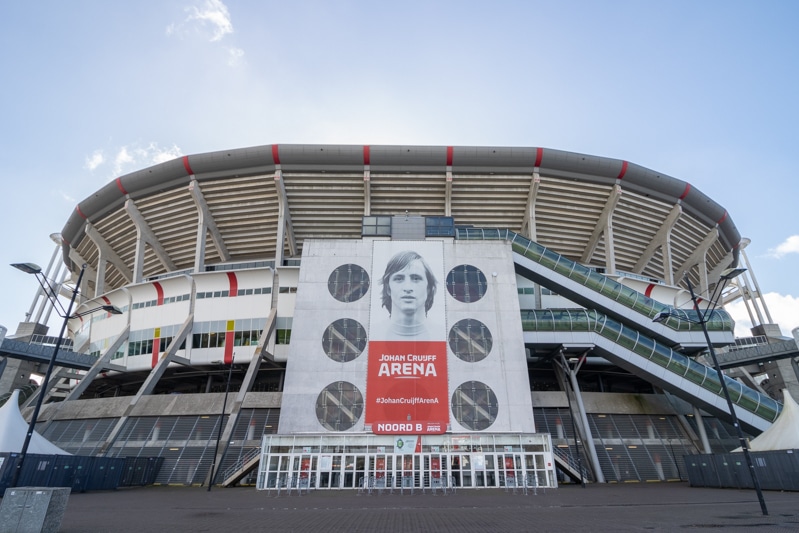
(587, 320)
(679, 319)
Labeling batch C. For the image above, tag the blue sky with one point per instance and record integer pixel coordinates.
(702, 91)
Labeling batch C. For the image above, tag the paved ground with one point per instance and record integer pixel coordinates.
(622, 507)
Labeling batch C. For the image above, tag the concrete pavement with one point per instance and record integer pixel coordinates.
(610, 507)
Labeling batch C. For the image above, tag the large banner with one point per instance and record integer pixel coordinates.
(406, 387)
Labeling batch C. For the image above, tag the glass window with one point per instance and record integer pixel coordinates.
(474, 405)
(376, 226)
(344, 340)
(339, 406)
(348, 283)
(466, 283)
(439, 227)
(470, 340)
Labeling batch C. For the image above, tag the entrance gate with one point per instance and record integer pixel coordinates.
(377, 466)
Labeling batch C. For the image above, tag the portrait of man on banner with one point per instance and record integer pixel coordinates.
(407, 370)
(408, 289)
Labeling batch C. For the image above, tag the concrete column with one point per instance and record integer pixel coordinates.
(702, 431)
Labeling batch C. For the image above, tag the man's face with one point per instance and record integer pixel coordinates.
(408, 288)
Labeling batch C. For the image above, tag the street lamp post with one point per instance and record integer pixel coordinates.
(702, 319)
(30, 268)
(221, 420)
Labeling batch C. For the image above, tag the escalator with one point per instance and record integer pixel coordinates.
(617, 325)
(589, 288)
(650, 360)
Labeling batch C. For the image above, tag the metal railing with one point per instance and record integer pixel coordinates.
(245, 458)
(589, 320)
(679, 319)
(573, 464)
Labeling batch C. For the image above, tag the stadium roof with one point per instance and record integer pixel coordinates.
(563, 200)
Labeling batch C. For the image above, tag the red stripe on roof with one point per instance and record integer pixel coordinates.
(234, 284)
(77, 208)
(722, 219)
(539, 155)
(623, 170)
(449, 156)
(275, 154)
(187, 166)
(120, 187)
(648, 291)
(366, 155)
(160, 291)
(686, 191)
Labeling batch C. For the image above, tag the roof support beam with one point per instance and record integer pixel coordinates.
(698, 259)
(604, 227)
(662, 239)
(448, 194)
(246, 385)
(284, 217)
(206, 223)
(145, 235)
(107, 255)
(367, 191)
(152, 379)
(528, 228)
(90, 272)
(102, 363)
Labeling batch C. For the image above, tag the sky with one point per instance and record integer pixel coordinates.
(702, 91)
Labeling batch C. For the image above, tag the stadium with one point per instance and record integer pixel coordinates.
(401, 316)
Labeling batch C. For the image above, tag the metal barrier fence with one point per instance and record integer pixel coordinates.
(776, 470)
(79, 472)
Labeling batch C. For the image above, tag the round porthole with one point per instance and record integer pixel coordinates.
(470, 340)
(339, 406)
(466, 283)
(474, 405)
(344, 340)
(348, 283)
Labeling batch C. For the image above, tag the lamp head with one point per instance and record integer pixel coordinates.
(114, 310)
(28, 268)
(661, 317)
(731, 273)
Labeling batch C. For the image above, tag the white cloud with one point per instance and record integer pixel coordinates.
(784, 310)
(215, 13)
(162, 155)
(134, 156)
(211, 16)
(122, 159)
(235, 56)
(95, 160)
(788, 246)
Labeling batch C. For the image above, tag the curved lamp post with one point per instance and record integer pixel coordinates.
(66, 314)
(702, 320)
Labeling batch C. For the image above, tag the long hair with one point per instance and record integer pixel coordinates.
(399, 262)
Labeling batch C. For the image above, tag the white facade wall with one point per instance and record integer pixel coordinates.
(310, 370)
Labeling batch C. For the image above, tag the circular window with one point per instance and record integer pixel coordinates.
(348, 283)
(466, 283)
(339, 406)
(470, 340)
(474, 405)
(344, 340)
